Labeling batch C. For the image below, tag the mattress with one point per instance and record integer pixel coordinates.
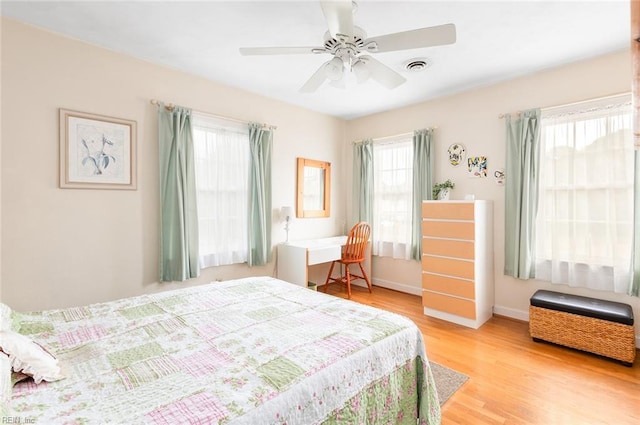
(249, 351)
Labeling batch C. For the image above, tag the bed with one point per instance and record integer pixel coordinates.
(246, 351)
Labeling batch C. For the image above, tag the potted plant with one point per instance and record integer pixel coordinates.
(441, 190)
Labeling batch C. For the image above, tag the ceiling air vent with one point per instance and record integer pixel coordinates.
(417, 65)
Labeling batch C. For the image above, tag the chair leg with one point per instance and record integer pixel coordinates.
(366, 278)
(346, 270)
(326, 283)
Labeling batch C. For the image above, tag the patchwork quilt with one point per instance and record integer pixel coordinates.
(247, 351)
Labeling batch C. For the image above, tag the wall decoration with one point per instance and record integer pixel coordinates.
(96, 151)
(477, 166)
(456, 154)
(499, 176)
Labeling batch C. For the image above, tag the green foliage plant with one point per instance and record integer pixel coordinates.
(439, 186)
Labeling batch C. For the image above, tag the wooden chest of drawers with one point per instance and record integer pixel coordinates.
(457, 261)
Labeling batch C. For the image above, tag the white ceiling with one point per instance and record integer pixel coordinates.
(495, 41)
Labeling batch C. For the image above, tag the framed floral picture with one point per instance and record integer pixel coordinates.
(96, 151)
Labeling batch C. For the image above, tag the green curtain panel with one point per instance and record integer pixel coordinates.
(363, 181)
(178, 208)
(521, 193)
(422, 183)
(634, 289)
(259, 229)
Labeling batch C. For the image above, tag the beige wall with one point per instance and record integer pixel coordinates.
(73, 247)
(471, 118)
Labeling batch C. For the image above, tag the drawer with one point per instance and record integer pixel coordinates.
(448, 210)
(449, 229)
(448, 285)
(452, 305)
(323, 254)
(449, 248)
(448, 266)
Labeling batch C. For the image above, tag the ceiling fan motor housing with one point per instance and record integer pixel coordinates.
(356, 42)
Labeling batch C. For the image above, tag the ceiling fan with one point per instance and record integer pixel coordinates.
(348, 44)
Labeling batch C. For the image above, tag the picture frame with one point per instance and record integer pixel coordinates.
(97, 151)
(477, 166)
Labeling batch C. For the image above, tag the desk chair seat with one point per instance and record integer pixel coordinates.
(353, 253)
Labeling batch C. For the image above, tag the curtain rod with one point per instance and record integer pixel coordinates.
(611, 96)
(382, 139)
(171, 106)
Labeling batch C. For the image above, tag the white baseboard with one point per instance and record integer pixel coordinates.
(511, 312)
(407, 289)
(398, 287)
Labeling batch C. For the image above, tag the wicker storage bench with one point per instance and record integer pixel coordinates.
(588, 324)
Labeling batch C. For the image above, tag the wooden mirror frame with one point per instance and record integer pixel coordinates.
(326, 202)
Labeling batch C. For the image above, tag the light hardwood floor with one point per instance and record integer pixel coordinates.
(513, 380)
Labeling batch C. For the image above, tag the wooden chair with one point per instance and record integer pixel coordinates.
(352, 253)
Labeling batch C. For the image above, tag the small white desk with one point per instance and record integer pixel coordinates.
(294, 258)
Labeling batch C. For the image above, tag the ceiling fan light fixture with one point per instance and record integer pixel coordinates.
(361, 71)
(334, 69)
(338, 84)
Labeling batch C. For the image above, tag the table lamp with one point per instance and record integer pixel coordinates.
(286, 215)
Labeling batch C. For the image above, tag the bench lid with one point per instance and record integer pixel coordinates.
(584, 306)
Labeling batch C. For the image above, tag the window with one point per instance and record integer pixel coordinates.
(221, 151)
(584, 225)
(392, 198)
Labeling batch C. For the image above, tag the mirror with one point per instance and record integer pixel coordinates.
(314, 188)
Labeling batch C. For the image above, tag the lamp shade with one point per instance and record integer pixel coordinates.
(286, 213)
(334, 68)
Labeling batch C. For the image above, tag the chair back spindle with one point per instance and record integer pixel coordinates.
(357, 240)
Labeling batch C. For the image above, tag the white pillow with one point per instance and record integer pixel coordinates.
(28, 357)
(5, 317)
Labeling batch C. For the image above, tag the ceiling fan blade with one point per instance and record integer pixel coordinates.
(316, 80)
(339, 17)
(415, 39)
(382, 73)
(250, 51)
